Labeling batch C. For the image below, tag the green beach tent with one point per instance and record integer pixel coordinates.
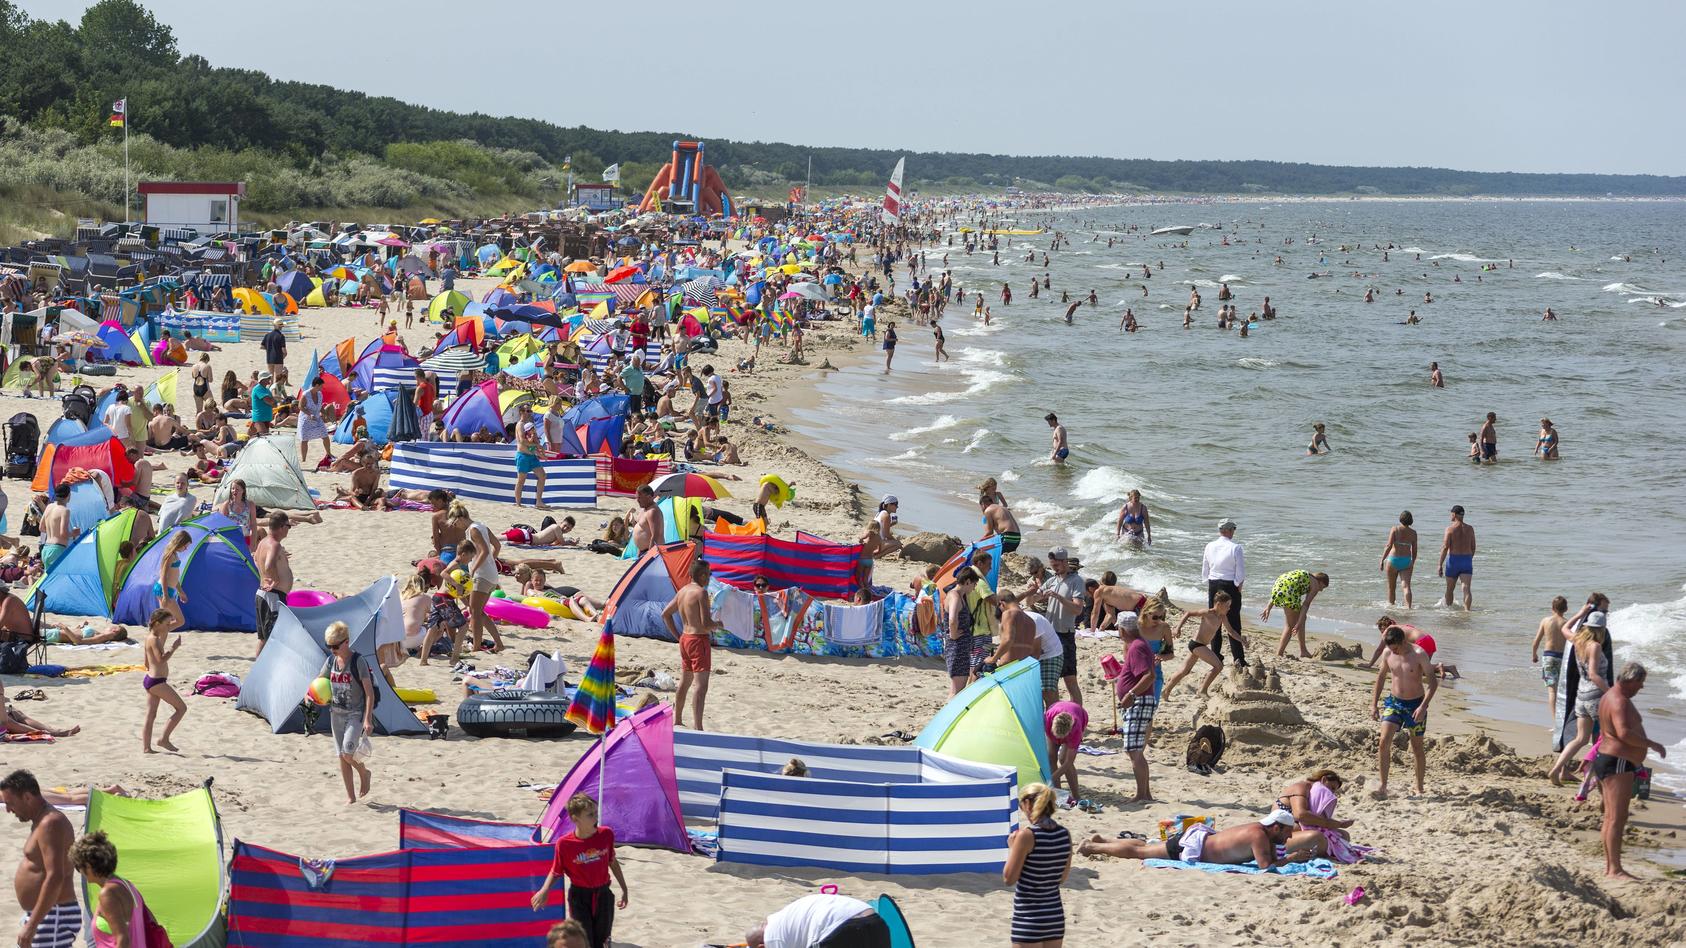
(452, 299)
(85, 580)
(995, 720)
(171, 851)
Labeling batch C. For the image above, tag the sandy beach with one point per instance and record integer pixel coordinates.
(1488, 853)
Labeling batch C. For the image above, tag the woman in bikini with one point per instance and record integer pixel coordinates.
(239, 508)
(156, 681)
(1134, 521)
(1212, 620)
(1399, 556)
(168, 585)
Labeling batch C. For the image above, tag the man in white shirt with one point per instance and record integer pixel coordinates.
(1224, 568)
(117, 418)
(822, 921)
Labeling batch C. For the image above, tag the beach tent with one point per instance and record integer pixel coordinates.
(640, 795)
(453, 300)
(117, 345)
(295, 284)
(88, 506)
(487, 253)
(333, 390)
(96, 449)
(476, 409)
(459, 897)
(275, 686)
(991, 545)
(253, 303)
(635, 605)
(84, 581)
(507, 267)
(386, 367)
(270, 468)
(383, 414)
(217, 575)
(997, 719)
(900, 935)
(161, 392)
(170, 850)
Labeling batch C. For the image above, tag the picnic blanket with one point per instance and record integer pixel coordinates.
(1313, 869)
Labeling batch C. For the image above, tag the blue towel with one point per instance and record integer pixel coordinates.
(1316, 868)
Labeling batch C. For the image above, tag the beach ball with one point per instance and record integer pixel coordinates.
(499, 594)
(321, 692)
(460, 576)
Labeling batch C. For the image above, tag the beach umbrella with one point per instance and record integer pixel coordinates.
(581, 266)
(689, 485)
(807, 291)
(390, 241)
(593, 706)
(832, 279)
(622, 273)
(454, 361)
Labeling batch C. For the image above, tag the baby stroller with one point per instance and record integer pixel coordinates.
(23, 437)
(79, 404)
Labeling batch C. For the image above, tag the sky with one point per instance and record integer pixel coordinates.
(1494, 85)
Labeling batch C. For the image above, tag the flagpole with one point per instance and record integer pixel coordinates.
(125, 160)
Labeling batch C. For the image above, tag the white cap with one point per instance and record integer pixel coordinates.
(1596, 620)
(1278, 816)
(888, 500)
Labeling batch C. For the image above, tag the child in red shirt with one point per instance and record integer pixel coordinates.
(586, 856)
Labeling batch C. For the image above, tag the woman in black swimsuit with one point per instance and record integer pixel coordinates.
(889, 345)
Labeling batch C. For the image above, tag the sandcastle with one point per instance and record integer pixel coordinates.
(1251, 707)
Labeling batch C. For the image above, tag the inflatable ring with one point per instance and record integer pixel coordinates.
(558, 609)
(417, 695)
(309, 598)
(508, 610)
(784, 493)
(515, 714)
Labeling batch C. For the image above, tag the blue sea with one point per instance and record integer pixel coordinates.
(1209, 425)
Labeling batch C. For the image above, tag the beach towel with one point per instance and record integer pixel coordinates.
(854, 625)
(36, 738)
(1314, 869)
(1323, 802)
(100, 671)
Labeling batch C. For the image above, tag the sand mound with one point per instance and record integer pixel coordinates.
(1252, 708)
(1336, 652)
(1476, 754)
(934, 548)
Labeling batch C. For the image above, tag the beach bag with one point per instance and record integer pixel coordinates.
(14, 658)
(216, 685)
(1205, 749)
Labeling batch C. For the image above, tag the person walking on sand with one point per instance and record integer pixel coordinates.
(1592, 661)
(311, 425)
(1457, 558)
(1294, 591)
(1038, 862)
(585, 856)
(697, 623)
(275, 575)
(1406, 707)
(1223, 567)
(889, 345)
(1205, 647)
(481, 549)
(45, 881)
(1621, 752)
(351, 709)
(156, 681)
(1060, 598)
(1399, 557)
(1488, 435)
(1550, 636)
(1061, 450)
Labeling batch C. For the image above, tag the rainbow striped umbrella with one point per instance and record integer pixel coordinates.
(593, 707)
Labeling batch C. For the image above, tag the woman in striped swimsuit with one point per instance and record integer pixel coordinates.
(1038, 861)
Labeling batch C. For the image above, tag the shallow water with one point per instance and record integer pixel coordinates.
(1209, 425)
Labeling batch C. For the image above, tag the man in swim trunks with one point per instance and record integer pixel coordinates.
(275, 575)
(527, 458)
(1489, 437)
(1255, 841)
(1550, 634)
(647, 529)
(55, 527)
(1621, 752)
(1061, 449)
(697, 622)
(1457, 557)
(998, 520)
(1406, 707)
(45, 884)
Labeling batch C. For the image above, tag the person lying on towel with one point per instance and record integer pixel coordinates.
(1256, 841)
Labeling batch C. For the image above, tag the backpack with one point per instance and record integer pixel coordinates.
(14, 657)
(1205, 748)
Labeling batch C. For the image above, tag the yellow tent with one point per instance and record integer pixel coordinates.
(457, 302)
(316, 298)
(600, 311)
(519, 348)
(509, 398)
(253, 302)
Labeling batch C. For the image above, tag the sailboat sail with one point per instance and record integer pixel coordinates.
(893, 195)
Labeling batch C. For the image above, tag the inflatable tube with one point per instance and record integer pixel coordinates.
(417, 695)
(784, 491)
(310, 598)
(515, 714)
(508, 610)
(99, 370)
(558, 609)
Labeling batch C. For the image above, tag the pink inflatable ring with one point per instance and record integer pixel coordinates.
(309, 598)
